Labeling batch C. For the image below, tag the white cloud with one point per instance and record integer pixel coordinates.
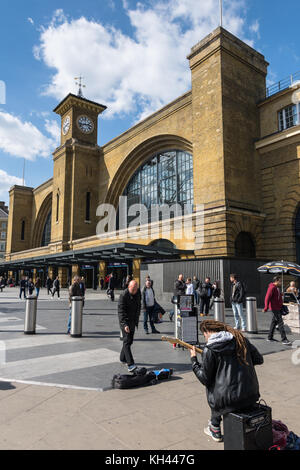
(53, 129)
(137, 73)
(6, 182)
(23, 139)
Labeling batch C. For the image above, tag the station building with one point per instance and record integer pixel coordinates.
(229, 145)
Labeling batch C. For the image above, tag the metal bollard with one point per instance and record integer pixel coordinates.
(30, 315)
(76, 319)
(219, 310)
(251, 309)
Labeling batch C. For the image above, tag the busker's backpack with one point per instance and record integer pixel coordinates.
(140, 378)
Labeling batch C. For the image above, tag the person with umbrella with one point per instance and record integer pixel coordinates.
(274, 302)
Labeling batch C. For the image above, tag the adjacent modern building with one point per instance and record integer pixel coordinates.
(229, 146)
(3, 229)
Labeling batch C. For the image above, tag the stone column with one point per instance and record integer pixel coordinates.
(75, 270)
(63, 276)
(102, 270)
(136, 270)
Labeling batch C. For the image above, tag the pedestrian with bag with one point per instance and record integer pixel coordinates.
(148, 303)
(237, 298)
(56, 287)
(129, 309)
(49, 285)
(205, 294)
(30, 286)
(274, 302)
(227, 371)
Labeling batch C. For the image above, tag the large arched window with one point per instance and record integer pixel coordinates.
(245, 246)
(167, 178)
(47, 231)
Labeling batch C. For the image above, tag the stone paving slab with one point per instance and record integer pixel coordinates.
(169, 415)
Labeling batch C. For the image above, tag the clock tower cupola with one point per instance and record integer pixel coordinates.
(79, 119)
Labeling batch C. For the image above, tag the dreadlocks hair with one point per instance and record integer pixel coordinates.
(213, 326)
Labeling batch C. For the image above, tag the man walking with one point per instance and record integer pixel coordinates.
(237, 298)
(56, 287)
(129, 308)
(274, 302)
(205, 294)
(111, 287)
(49, 284)
(148, 300)
(23, 285)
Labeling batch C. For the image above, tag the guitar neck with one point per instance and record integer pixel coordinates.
(182, 343)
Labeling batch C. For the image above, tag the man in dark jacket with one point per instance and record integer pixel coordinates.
(237, 298)
(23, 287)
(205, 294)
(179, 287)
(227, 371)
(274, 302)
(129, 308)
(49, 285)
(56, 287)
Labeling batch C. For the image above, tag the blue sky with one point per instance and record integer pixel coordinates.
(132, 55)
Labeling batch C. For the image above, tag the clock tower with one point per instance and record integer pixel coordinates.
(79, 118)
(75, 172)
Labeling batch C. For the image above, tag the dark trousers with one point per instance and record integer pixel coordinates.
(148, 313)
(126, 354)
(55, 290)
(204, 305)
(277, 320)
(22, 290)
(216, 417)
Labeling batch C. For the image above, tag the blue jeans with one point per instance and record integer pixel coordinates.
(37, 290)
(70, 320)
(239, 315)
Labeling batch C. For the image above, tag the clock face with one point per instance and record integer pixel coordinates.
(85, 124)
(66, 125)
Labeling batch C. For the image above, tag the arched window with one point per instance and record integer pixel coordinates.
(166, 178)
(23, 230)
(245, 246)
(47, 231)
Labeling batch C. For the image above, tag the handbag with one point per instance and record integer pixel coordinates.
(284, 310)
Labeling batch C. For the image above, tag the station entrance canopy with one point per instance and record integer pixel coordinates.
(121, 252)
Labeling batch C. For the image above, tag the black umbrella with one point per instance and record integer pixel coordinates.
(280, 267)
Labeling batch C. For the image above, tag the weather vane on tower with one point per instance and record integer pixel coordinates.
(80, 85)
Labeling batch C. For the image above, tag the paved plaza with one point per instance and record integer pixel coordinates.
(60, 387)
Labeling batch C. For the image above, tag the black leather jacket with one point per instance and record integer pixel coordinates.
(230, 385)
(129, 308)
